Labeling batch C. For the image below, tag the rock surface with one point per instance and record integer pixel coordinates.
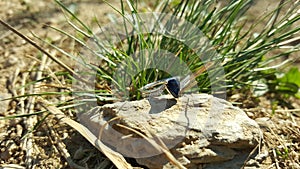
(200, 130)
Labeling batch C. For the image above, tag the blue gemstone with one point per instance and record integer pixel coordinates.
(173, 86)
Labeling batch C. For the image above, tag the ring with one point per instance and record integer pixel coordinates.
(172, 85)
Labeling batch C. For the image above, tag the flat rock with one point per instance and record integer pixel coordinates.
(198, 129)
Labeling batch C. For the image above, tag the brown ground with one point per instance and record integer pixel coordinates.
(55, 145)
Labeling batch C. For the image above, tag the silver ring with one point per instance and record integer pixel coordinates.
(172, 84)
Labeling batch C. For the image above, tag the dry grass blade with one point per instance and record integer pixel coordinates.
(30, 121)
(42, 50)
(192, 78)
(276, 159)
(157, 146)
(60, 145)
(115, 157)
(12, 166)
(12, 83)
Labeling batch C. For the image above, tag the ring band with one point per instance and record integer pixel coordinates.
(172, 85)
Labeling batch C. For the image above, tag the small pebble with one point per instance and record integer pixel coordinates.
(12, 60)
(4, 155)
(19, 129)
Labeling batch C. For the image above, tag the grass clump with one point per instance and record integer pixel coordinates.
(213, 34)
